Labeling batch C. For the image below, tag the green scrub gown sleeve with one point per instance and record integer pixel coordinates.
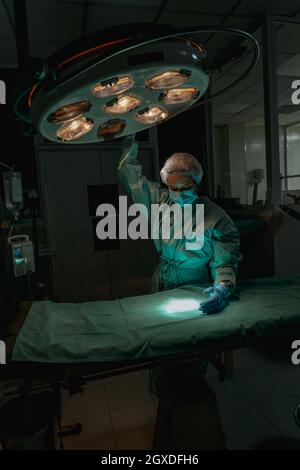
(138, 186)
(226, 243)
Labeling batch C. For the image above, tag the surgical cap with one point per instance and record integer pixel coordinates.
(182, 164)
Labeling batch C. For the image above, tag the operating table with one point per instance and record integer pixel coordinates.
(67, 345)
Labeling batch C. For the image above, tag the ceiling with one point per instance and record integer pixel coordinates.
(54, 23)
(245, 103)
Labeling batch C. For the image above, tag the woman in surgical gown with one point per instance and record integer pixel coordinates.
(218, 257)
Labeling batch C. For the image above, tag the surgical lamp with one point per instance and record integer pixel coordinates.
(118, 81)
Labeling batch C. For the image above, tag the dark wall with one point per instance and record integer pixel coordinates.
(16, 149)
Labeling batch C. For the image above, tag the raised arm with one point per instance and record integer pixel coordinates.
(137, 185)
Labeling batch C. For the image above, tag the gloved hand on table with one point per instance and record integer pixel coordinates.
(218, 299)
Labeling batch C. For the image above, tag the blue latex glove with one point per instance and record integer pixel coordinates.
(130, 149)
(218, 299)
(129, 142)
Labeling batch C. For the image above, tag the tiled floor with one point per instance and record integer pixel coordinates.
(115, 413)
(257, 404)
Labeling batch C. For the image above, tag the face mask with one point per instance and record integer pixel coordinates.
(189, 196)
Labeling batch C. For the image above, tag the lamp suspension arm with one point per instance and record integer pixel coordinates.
(195, 30)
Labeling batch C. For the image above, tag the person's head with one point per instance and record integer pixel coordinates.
(182, 173)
